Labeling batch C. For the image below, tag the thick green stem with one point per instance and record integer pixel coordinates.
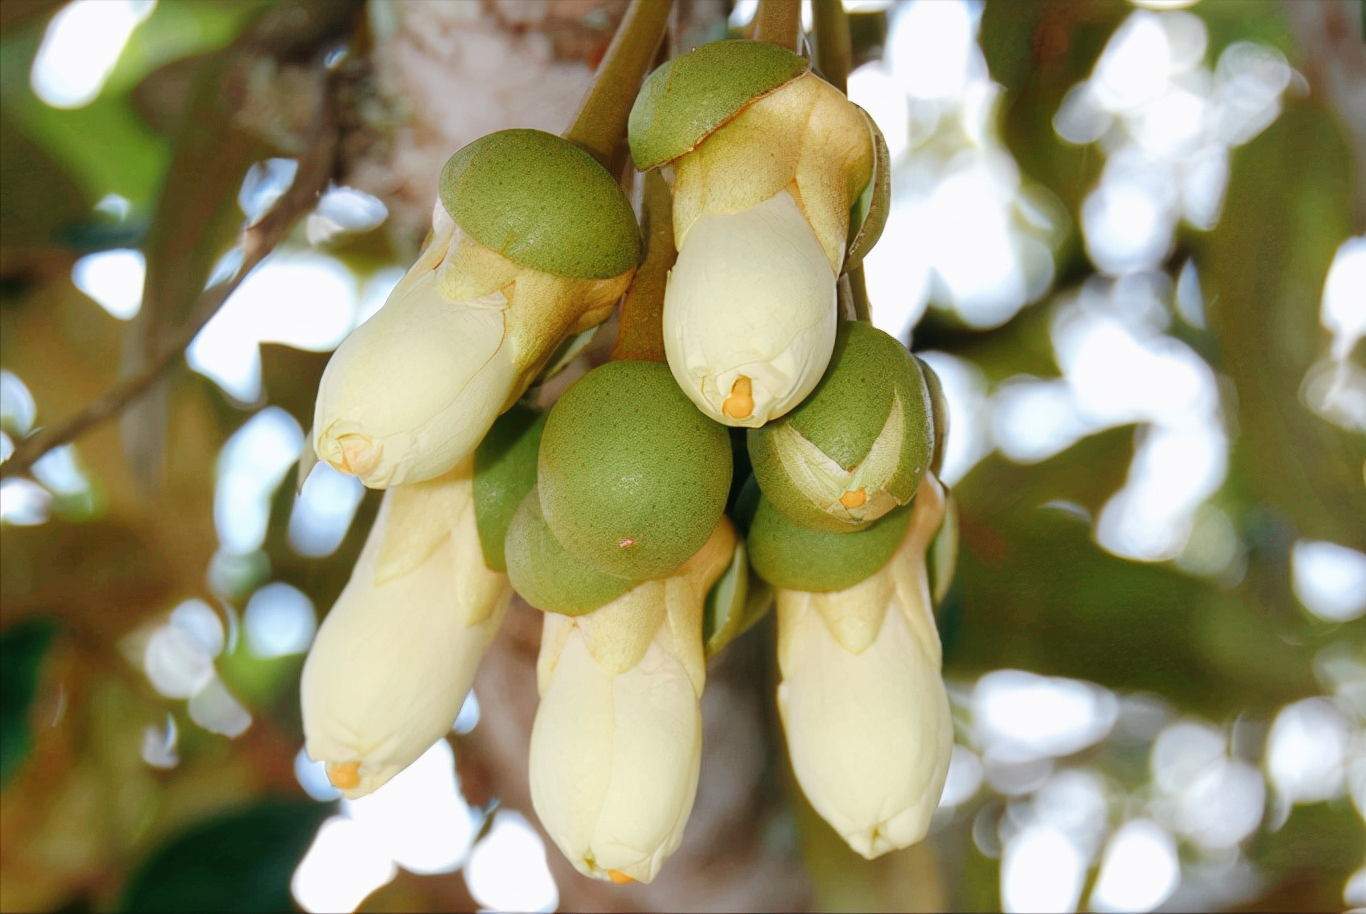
(640, 333)
(779, 22)
(600, 126)
(834, 49)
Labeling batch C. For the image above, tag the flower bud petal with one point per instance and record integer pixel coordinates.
(862, 702)
(395, 657)
(617, 743)
(750, 313)
(412, 390)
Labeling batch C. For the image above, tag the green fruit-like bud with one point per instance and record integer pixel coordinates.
(546, 574)
(798, 558)
(504, 471)
(633, 479)
(689, 97)
(543, 203)
(857, 447)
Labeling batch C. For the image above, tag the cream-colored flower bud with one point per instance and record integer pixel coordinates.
(749, 312)
(413, 390)
(616, 746)
(862, 701)
(532, 241)
(395, 657)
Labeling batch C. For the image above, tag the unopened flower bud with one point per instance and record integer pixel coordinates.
(766, 160)
(858, 446)
(616, 746)
(861, 698)
(532, 241)
(395, 657)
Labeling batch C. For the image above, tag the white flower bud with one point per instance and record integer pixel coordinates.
(749, 312)
(617, 743)
(862, 701)
(395, 657)
(413, 390)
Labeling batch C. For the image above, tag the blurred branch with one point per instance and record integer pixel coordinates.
(256, 241)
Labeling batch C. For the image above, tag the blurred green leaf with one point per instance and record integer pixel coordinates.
(39, 200)
(22, 649)
(242, 861)
(103, 146)
(1263, 273)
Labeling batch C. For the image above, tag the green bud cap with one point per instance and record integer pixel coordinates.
(687, 99)
(504, 471)
(543, 203)
(545, 573)
(794, 557)
(857, 447)
(633, 478)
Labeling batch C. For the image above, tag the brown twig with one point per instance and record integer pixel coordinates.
(779, 22)
(258, 240)
(640, 333)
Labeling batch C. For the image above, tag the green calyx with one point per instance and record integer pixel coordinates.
(858, 445)
(794, 557)
(633, 478)
(687, 99)
(543, 203)
(546, 574)
(504, 471)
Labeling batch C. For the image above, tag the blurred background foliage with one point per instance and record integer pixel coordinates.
(1128, 236)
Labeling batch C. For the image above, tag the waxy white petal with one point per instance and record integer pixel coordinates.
(750, 312)
(395, 657)
(862, 702)
(616, 746)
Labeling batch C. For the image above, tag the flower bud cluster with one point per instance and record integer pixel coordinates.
(612, 511)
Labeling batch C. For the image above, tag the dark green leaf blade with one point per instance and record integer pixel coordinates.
(242, 861)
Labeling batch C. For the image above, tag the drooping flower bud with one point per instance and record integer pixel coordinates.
(767, 160)
(532, 241)
(616, 746)
(395, 657)
(861, 698)
(859, 445)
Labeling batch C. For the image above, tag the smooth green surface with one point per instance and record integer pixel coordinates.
(542, 202)
(504, 471)
(242, 861)
(689, 97)
(546, 574)
(633, 477)
(799, 558)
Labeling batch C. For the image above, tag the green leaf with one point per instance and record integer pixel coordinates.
(22, 649)
(729, 611)
(242, 861)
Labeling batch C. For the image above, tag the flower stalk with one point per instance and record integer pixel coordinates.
(599, 128)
